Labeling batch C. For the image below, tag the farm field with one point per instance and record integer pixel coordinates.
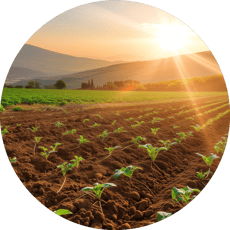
(60, 97)
(135, 201)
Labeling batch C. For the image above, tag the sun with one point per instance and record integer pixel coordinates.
(172, 37)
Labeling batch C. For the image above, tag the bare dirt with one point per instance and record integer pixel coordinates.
(135, 201)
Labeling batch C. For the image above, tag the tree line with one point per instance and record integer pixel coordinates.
(60, 84)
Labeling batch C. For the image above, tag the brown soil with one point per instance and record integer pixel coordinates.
(135, 201)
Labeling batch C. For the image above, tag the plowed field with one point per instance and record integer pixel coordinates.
(135, 201)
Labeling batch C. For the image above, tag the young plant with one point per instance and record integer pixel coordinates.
(182, 135)
(4, 131)
(119, 130)
(138, 139)
(176, 127)
(64, 168)
(208, 160)
(95, 125)
(76, 161)
(139, 117)
(167, 144)
(104, 134)
(37, 139)
(113, 123)
(183, 194)
(163, 215)
(45, 153)
(190, 134)
(13, 160)
(171, 117)
(189, 118)
(82, 140)
(202, 175)
(156, 119)
(34, 129)
(18, 124)
(154, 131)
(177, 140)
(98, 190)
(220, 147)
(61, 212)
(70, 132)
(128, 171)
(129, 119)
(117, 113)
(59, 124)
(152, 151)
(98, 115)
(197, 127)
(85, 120)
(55, 146)
(110, 149)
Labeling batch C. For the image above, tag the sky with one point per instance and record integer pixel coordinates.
(116, 31)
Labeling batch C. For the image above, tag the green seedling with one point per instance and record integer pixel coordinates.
(18, 124)
(110, 149)
(139, 117)
(76, 161)
(167, 144)
(55, 146)
(156, 119)
(13, 160)
(104, 134)
(61, 212)
(64, 168)
(163, 215)
(127, 112)
(154, 130)
(182, 135)
(113, 123)
(129, 119)
(183, 194)
(201, 175)
(95, 125)
(69, 132)
(208, 160)
(189, 118)
(82, 140)
(171, 117)
(59, 124)
(177, 140)
(4, 131)
(37, 139)
(85, 120)
(119, 130)
(117, 113)
(128, 171)
(176, 127)
(220, 147)
(155, 112)
(138, 139)
(197, 127)
(45, 152)
(98, 115)
(34, 129)
(190, 134)
(139, 123)
(147, 114)
(65, 111)
(152, 151)
(98, 190)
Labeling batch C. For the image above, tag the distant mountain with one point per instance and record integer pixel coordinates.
(52, 63)
(124, 58)
(172, 68)
(19, 74)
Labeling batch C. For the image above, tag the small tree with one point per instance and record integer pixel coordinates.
(60, 84)
(37, 85)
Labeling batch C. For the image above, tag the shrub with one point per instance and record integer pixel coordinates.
(18, 108)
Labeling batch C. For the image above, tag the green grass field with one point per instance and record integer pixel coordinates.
(61, 97)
